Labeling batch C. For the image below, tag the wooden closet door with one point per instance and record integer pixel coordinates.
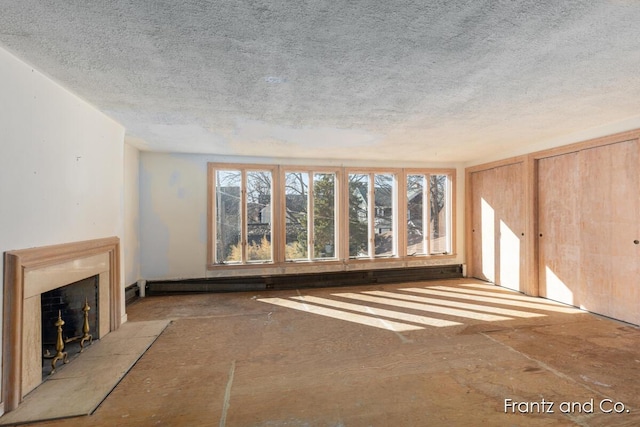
(510, 226)
(559, 228)
(498, 219)
(609, 205)
(483, 224)
(588, 204)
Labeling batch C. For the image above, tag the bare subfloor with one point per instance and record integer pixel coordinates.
(455, 352)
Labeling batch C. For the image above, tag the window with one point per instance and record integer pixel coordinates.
(296, 193)
(416, 215)
(310, 216)
(371, 221)
(228, 216)
(276, 214)
(384, 223)
(428, 224)
(359, 215)
(439, 214)
(324, 215)
(258, 211)
(243, 211)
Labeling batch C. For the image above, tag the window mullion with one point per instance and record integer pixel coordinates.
(310, 214)
(396, 213)
(243, 216)
(371, 216)
(341, 199)
(278, 227)
(426, 227)
(337, 207)
(448, 199)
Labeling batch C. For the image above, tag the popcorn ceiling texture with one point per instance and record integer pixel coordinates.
(447, 81)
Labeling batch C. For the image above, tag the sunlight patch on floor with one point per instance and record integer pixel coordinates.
(423, 307)
(493, 300)
(396, 310)
(502, 293)
(458, 305)
(423, 320)
(342, 315)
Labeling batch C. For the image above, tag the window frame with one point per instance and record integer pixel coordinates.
(372, 210)
(341, 214)
(311, 171)
(450, 205)
(244, 169)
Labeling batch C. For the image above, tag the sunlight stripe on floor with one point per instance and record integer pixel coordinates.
(407, 317)
(423, 307)
(511, 295)
(456, 304)
(342, 315)
(493, 300)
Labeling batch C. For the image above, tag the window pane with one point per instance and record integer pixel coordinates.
(415, 214)
(439, 223)
(296, 203)
(228, 216)
(258, 214)
(324, 216)
(358, 215)
(384, 239)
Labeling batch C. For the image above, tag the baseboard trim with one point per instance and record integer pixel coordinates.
(307, 280)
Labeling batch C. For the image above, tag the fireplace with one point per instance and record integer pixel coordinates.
(30, 273)
(67, 302)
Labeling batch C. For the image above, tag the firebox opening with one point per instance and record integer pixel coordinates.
(68, 301)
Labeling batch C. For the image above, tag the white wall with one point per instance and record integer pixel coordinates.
(173, 214)
(61, 163)
(131, 243)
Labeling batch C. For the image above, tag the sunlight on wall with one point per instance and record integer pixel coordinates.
(509, 258)
(487, 220)
(556, 289)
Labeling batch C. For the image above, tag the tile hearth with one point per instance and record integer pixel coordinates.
(78, 388)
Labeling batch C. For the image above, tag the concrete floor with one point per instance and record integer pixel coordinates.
(451, 356)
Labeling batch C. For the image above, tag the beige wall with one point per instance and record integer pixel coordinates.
(173, 216)
(61, 163)
(131, 242)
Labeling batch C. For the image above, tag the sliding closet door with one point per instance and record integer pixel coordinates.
(588, 204)
(610, 202)
(559, 228)
(510, 226)
(483, 226)
(498, 223)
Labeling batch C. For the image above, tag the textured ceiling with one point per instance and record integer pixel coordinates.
(407, 80)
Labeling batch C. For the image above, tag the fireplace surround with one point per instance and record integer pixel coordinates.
(28, 273)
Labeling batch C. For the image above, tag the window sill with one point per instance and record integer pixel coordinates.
(328, 262)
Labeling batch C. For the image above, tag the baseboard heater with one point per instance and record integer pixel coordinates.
(306, 280)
